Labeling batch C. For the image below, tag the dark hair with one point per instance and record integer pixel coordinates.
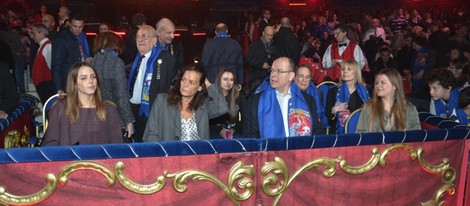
(458, 63)
(174, 96)
(232, 95)
(464, 97)
(442, 76)
(108, 40)
(420, 41)
(384, 49)
(77, 17)
(138, 19)
(341, 27)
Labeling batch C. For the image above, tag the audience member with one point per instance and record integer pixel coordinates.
(166, 35)
(444, 93)
(184, 113)
(9, 97)
(388, 109)
(303, 80)
(266, 16)
(463, 111)
(104, 27)
(64, 15)
(130, 45)
(422, 66)
(222, 51)
(375, 31)
(228, 125)
(70, 47)
(341, 50)
(456, 67)
(286, 42)
(83, 117)
(281, 109)
(41, 70)
(349, 96)
(151, 73)
(49, 22)
(111, 71)
(261, 54)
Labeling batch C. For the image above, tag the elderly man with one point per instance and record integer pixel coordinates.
(70, 47)
(222, 51)
(261, 54)
(166, 36)
(151, 73)
(41, 70)
(340, 50)
(64, 15)
(281, 109)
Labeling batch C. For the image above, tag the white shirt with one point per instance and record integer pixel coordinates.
(137, 93)
(358, 56)
(283, 100)
(46, 52)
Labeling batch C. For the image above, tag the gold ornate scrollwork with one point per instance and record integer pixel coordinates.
(272, 170)
(357, 170)
(238, 171)
(30, 199)
(86, 165)
(133, 186)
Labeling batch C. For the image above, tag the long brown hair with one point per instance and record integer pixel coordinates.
(398, 110)
(232, 94)
(174, 96)
(73, 103)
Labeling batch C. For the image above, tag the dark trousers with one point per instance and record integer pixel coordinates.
(45, 90)
(140, 123)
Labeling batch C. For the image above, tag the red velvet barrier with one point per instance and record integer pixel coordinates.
(26, 119)
(401, 181)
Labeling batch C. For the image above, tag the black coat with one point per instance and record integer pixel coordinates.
(258, 55)
(9, 96)
(287, 44)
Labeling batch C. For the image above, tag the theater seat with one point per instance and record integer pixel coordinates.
(351, 122)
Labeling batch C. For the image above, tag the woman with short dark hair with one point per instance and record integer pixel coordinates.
(183, 114)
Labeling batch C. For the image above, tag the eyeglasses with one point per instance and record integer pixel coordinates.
(191, 82)
(302, 77)
(278, 71)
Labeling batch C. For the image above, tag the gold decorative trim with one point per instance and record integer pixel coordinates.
(35, 198)
(86, 165)
(135, 187)
(271, 171)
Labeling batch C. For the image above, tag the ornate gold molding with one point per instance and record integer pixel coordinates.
(272, 171)
(240, 185)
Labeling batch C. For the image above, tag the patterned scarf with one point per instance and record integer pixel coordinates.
(221, 34)
(312, 91)
(270, 115)
(342, 95)
(145, 98)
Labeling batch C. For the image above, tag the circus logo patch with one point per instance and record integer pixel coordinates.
(300, 123)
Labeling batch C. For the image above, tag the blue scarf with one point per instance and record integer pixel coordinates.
(84, 43)
(445, 110)
(145, 98)
(221, 34)
(312, 91)
(270, 115)
(462, 117)
(108, 51)
(263, 86)
(342, 95)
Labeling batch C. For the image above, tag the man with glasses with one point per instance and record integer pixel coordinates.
(151, 73)
(281, 109)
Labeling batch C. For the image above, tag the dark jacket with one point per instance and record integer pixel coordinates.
(65, 53)
(257, 55)
(287, 44)
(9, 96)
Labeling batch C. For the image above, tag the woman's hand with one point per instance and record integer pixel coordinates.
(130, 129)
(340, 108)
(226, 133)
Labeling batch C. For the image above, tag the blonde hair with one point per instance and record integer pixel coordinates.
(355, 66)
